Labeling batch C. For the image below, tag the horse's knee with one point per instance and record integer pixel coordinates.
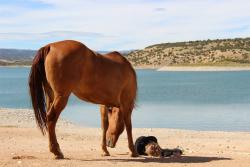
(51, 116)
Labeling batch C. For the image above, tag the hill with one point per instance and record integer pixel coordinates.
(9, 57)
(16, 56)
(224, 52)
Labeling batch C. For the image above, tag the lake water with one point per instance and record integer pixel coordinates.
(183, 100)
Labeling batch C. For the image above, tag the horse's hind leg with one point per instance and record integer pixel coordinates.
(105, 124)
(49, 96)
(56, 108)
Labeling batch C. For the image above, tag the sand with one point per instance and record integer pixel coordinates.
(22, 144)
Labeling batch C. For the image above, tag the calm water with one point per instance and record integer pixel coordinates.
(185, 100)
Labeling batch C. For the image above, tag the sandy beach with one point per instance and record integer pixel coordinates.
(22, 144)
(203, 68)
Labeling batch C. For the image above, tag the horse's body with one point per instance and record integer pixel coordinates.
(66, 67)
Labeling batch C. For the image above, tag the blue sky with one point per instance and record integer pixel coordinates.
(120, 25)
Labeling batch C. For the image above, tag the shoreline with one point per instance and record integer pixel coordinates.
(24, 118)
(173, 68)
(17, 66)
(203, 68)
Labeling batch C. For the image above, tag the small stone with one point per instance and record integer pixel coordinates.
(19, 162)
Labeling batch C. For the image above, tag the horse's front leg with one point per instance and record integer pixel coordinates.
(104, 124)
(128, 124)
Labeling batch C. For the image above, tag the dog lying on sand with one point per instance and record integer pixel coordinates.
(150, 147)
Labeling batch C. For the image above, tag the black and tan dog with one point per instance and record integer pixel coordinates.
(149, 146)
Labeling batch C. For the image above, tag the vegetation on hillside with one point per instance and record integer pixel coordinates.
(208, 52)
(9, 57)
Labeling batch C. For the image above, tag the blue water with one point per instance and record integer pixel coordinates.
(183, 100)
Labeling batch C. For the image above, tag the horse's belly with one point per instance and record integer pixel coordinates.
(97, 97)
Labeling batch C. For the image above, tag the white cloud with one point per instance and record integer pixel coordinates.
(128, 24)
(47, 35)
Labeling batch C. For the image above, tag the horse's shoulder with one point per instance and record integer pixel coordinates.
(116, 56)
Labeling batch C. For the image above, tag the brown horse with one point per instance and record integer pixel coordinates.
(66, 67)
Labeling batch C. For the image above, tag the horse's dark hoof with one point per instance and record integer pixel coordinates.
(104, 154)
(60, 156)
(134, 155)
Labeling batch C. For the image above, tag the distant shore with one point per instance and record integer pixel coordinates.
(17, 66)
(174, 68)
(204, 68)
(22, 144)
(195, 68)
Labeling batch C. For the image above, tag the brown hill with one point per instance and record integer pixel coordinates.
(208, 52)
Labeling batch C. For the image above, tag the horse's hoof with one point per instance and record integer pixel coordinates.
(60, 156)
(104, 154)
(134, 155)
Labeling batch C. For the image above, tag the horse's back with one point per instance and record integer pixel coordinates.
(68, 49)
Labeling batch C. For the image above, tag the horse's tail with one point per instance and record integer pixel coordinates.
(37, 79)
